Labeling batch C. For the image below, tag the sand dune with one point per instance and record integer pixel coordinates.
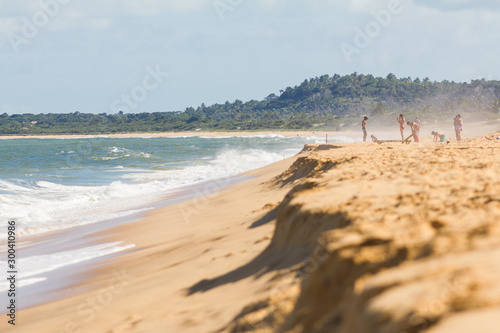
(398, 239)
(342, 238)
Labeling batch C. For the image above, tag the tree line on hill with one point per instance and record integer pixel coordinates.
(325, 102)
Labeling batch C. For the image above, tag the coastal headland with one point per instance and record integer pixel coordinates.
(351, 238)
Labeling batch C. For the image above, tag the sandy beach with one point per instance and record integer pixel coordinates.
(233, 166)
(472, 129)
(341, 238)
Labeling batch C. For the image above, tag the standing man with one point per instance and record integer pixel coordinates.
(459, 126)
(363, 126)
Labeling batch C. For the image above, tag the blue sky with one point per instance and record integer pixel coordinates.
(60, 56)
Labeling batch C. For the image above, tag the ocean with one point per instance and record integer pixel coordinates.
(49, 185)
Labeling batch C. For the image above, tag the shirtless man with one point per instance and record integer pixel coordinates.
(363, 126)
(414, 130)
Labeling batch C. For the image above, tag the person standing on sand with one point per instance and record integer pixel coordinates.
(401, 121)
(438, 136)
(363, 126)
(414, 130)
(459, 126)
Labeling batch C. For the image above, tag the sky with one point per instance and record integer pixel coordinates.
(62, 56)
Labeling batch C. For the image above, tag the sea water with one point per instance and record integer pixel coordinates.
(48, 185)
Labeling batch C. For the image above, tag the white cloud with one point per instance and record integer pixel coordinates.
(151, 7)
(117, 8)
(18, 8)
(91, 14)
(453, 5)
(267, 5)
(106, 8)
(85, 23)
(364, 6)
(9, 24)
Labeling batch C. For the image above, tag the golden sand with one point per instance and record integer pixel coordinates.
(343, 238)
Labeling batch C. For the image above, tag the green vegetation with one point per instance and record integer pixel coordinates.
(325, 102)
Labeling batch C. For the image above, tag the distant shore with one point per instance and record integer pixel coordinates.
(290, 133)
(472, 129)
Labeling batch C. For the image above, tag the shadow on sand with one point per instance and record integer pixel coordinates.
(269, 260)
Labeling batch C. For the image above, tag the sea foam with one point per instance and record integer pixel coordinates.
(47, 206)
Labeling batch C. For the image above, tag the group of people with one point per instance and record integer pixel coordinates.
(458, 124)
(414, 126)
(415, 129)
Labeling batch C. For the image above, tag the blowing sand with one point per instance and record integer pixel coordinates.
(343, 238)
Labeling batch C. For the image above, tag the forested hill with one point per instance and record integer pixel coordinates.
(327, 102)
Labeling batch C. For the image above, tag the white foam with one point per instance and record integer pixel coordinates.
(264, 136)
(216, 137)
(31, 268)
(227, 163)
(10, 187)
(115, 153)
(28, 282)
(258, 136)
(46, 206)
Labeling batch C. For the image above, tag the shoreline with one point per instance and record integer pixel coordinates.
(472, 129)
(200, 263)
(80, 237)
(288, 133)
(187, 216)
